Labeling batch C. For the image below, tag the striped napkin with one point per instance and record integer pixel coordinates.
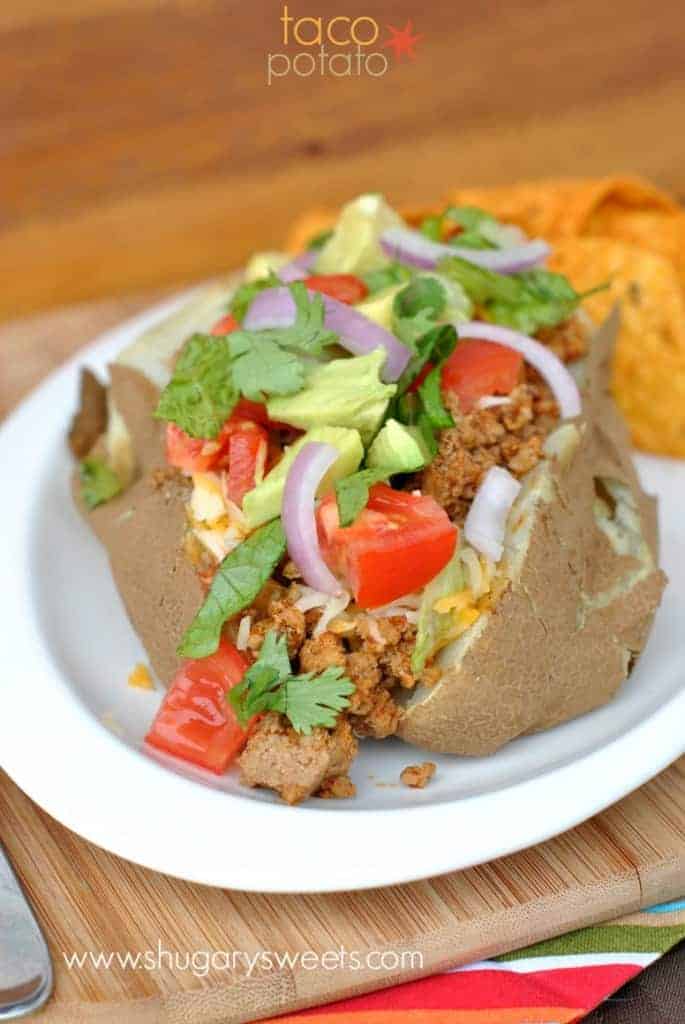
(555, 982)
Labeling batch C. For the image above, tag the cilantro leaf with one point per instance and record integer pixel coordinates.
(312, 700)
(237, 581)
(260, 365)
(470, 240)
(99, 482)
(411, 329)
(201, 393)
(545, 299)
(431, 227)
(430, 393)
(274, 653)
(254, 692)
(307, 700)
(526, 301)
(482, 286)
(212, 371)
(435, 346)
(385, 277)
(245, 293)
(423, 294)
(318, 240)
(352, 492)
(307, 334)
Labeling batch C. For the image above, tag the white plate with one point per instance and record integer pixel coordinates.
(68, 649)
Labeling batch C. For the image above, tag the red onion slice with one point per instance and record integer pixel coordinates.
(547, 364)
(299, 267)
(412, 247)
(299, 520)
(275, 307)
(487, 518)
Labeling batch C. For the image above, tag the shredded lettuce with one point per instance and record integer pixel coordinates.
(435, 629)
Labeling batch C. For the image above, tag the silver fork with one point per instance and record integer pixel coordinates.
(25, 965)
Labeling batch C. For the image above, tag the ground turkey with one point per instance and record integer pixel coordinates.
(509, 435)
(295, 765)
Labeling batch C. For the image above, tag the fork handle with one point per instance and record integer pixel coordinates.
(25, 965)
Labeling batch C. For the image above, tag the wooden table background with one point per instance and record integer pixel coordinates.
(142, 146)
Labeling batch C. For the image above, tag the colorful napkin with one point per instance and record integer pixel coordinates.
(553, 982)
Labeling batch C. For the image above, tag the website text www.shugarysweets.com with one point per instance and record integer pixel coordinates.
(339, 46)
(201, 962)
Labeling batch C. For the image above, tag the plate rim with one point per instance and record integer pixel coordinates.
(142, 831)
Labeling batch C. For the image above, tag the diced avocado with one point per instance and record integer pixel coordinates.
(398, 449)
(264, 263)
(378, 307)
(342, 393)
(354, 246)
(264, 501)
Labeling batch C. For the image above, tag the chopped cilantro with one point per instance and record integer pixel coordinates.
(385, 277)
(526, 301)
(236, 583)
(431, 396)
(352, 492)
(245, 293)
(212, 372)
(431, 227)
(307, 700)
(307, 334)
(318, 240)
(261, 365)
(201, 393)
(423, 295)
(99, 482)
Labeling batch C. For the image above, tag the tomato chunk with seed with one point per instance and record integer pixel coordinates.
(344, 287)
(226, 325)
(195, 721)
(246, 457)
(190, 453)
(396, 545)
(477, 368)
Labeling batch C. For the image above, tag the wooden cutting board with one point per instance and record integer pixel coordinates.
(89, 901)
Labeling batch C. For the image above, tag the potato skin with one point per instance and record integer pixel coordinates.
(543, 655)
(142, 530)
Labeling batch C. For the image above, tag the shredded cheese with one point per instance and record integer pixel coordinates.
(140, 678)
(243, 634)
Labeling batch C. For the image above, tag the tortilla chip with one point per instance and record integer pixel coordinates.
(554, 208)
(659, 231)
(648, 378)
(307, 226)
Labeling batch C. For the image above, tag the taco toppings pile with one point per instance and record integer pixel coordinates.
(324, 489)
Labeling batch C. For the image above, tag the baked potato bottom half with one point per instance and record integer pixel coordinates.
(578, 583)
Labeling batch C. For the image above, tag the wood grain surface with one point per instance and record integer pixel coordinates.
(142, 145)
(90, 901)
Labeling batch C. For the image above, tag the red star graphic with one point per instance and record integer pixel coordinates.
(402, 40)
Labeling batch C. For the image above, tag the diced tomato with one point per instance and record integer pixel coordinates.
(477, 368)
(190, 453)
(395, 546)
(344, 287)
(196, 455)
(226, 325)
(246, 457)
(195, 721)
(247, 410)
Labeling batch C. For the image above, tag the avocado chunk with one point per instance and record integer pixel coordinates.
(398, 449)
(354, 246)
(379, 306)
(263, 502)
(342, 393)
